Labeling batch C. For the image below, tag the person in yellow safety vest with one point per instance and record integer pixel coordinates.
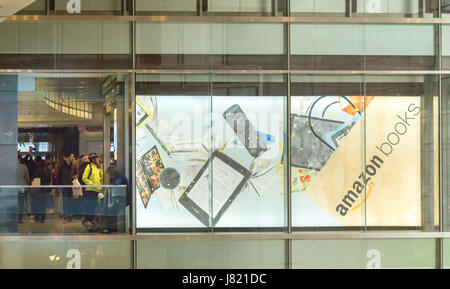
(92, 176)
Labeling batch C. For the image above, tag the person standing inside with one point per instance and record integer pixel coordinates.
(23, 179)
(65, 177)
(118, 197)
(39, 196)
(92, 176)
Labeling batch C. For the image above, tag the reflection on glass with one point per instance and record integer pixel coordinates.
(97, 7)
(38, 254)
(323, 46)
(212, 254)
(365, 8)
(186, 45)
(210, 7)
(364, 254)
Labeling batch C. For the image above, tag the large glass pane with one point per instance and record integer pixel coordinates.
(65, 44)
(445, 46)
(211, 7)
(445, 8)
(56, 254)
(63, 132)
(402, 145)
(173, 125)
(396, 8)
(211, 254)
(327, 130)
(343, 176)
(364, 254)
(216, 161)
(249, 119)
(446, 253)
(210, 46)
(365, 8)
(90, 7)
(363, 47)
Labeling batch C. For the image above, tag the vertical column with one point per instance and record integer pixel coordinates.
(445, 149)
(106, 146)
(121, 155)
(8, 151)
(427, 154)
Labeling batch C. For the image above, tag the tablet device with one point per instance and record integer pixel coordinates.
(307, 150)
(225, 177)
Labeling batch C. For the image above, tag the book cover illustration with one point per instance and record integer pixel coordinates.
(149, 167)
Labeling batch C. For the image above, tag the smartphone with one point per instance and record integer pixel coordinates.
(245, 131)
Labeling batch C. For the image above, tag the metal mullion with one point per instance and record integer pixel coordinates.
(288, 139)
(133, 156)
(47, 7)
(133, 137)
(440, 241)
(364, 145)
(133, 171)
(211, 185)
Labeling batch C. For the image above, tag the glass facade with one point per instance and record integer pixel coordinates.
(225, 134)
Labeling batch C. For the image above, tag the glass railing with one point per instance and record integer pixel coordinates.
(64, 209)
(66, 254)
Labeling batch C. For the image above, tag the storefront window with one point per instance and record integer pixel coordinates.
(212, 160)
(64, 160)
(357, 143)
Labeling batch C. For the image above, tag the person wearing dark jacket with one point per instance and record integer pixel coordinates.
(39, 196)
(65, 178)
(119, 197)
(23, 179)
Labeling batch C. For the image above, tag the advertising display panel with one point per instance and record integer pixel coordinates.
(356, 161)
(209, 161)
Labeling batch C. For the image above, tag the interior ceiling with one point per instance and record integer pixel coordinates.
(11, 7)
(34, 111)
(81, 88)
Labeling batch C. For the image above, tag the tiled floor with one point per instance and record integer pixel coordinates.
(53, 224)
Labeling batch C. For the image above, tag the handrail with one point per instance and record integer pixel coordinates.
(227, 236)
(220, 19)
(63, 186)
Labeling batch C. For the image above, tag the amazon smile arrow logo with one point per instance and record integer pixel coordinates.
(387, 147)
